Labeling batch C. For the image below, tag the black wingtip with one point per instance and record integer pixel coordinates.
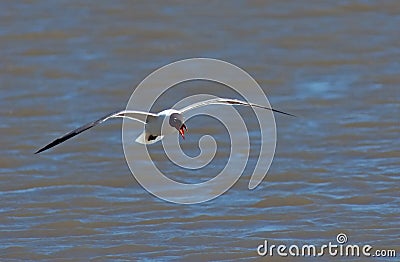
(75, 132)
(41, 150)
(272, 109)
(37, 152)
(277, 111)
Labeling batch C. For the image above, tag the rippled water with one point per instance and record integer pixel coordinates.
(336, 169)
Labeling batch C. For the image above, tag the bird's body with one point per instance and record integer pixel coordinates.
(156, 125)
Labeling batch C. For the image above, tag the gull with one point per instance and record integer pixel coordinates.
(154, 130)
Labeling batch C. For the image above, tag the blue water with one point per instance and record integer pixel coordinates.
(332, 64)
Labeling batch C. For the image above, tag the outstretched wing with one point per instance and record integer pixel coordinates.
(130, 114)
(228, 101)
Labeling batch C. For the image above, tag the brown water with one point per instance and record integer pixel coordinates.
(335, 64)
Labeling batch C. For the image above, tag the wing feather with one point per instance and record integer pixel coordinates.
(228, 101)
(129, 114)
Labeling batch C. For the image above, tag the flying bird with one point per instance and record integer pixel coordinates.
(154, 122)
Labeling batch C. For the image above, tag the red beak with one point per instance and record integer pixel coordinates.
(182, 130)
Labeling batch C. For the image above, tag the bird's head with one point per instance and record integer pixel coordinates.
(176, 120)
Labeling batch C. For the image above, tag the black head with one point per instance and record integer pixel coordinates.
(176, 120)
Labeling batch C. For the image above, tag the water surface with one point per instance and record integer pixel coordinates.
(336, 168)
